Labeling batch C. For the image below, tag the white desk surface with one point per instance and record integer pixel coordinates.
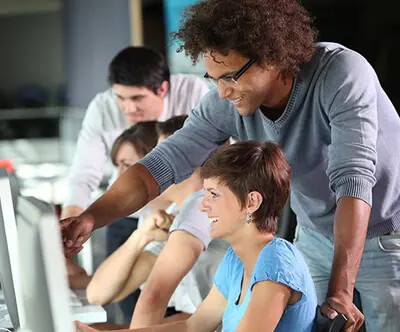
(88, 313)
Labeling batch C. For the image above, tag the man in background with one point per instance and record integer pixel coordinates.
(142, 89)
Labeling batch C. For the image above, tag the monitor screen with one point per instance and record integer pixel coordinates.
(43, 271)
(9, 254)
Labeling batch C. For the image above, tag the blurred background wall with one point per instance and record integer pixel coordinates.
(56, 52)
(369, 27)
(94, 32)
(32, 48)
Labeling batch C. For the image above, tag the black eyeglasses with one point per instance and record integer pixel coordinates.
(230, 79)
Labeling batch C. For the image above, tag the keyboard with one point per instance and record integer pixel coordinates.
(4, 316)
(84, 312)
(74, 300)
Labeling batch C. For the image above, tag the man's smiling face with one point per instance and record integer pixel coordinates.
(257, 86)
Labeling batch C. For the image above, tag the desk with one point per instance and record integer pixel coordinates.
(88, 313)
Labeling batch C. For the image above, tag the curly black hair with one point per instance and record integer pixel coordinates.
(277, 32)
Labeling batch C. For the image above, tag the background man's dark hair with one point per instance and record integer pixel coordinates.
(168, 127)
(276, 32)
(138, 66)
(253, 166)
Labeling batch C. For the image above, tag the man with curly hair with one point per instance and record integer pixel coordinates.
(323, 104)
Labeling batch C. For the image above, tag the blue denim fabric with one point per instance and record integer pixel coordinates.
(378, 279)
(117, 233)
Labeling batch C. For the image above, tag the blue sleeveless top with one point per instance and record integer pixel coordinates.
(281, 262)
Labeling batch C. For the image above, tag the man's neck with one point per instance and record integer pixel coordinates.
(275, 109)
(272, 113)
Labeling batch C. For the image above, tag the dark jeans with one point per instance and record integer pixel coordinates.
(117, 233)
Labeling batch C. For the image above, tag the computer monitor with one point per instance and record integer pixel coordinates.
(44, 276)
(9, 254)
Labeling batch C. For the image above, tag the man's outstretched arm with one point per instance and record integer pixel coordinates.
(170, 162)
(130, 192)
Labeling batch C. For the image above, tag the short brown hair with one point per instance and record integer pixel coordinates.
(171, 125)
(278, 32)
(142, 135)
(253, 166)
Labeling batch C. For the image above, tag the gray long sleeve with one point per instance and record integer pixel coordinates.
(338, 132)
(350, 96)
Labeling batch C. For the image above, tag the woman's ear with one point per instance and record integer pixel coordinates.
(254, 200)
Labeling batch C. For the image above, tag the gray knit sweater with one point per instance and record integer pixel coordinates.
(339, 131)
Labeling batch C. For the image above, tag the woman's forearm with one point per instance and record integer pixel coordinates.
(173, 327)
(113, 273)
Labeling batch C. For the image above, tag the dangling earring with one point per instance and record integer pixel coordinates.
(248, 218)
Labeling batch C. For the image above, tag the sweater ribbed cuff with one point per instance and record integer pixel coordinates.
(354, 187)
(390, 225)
(161, 172)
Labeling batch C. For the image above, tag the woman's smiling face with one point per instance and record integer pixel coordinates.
(223, 209)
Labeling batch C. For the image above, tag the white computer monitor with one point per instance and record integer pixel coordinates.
(9, 255)
(43, 272)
